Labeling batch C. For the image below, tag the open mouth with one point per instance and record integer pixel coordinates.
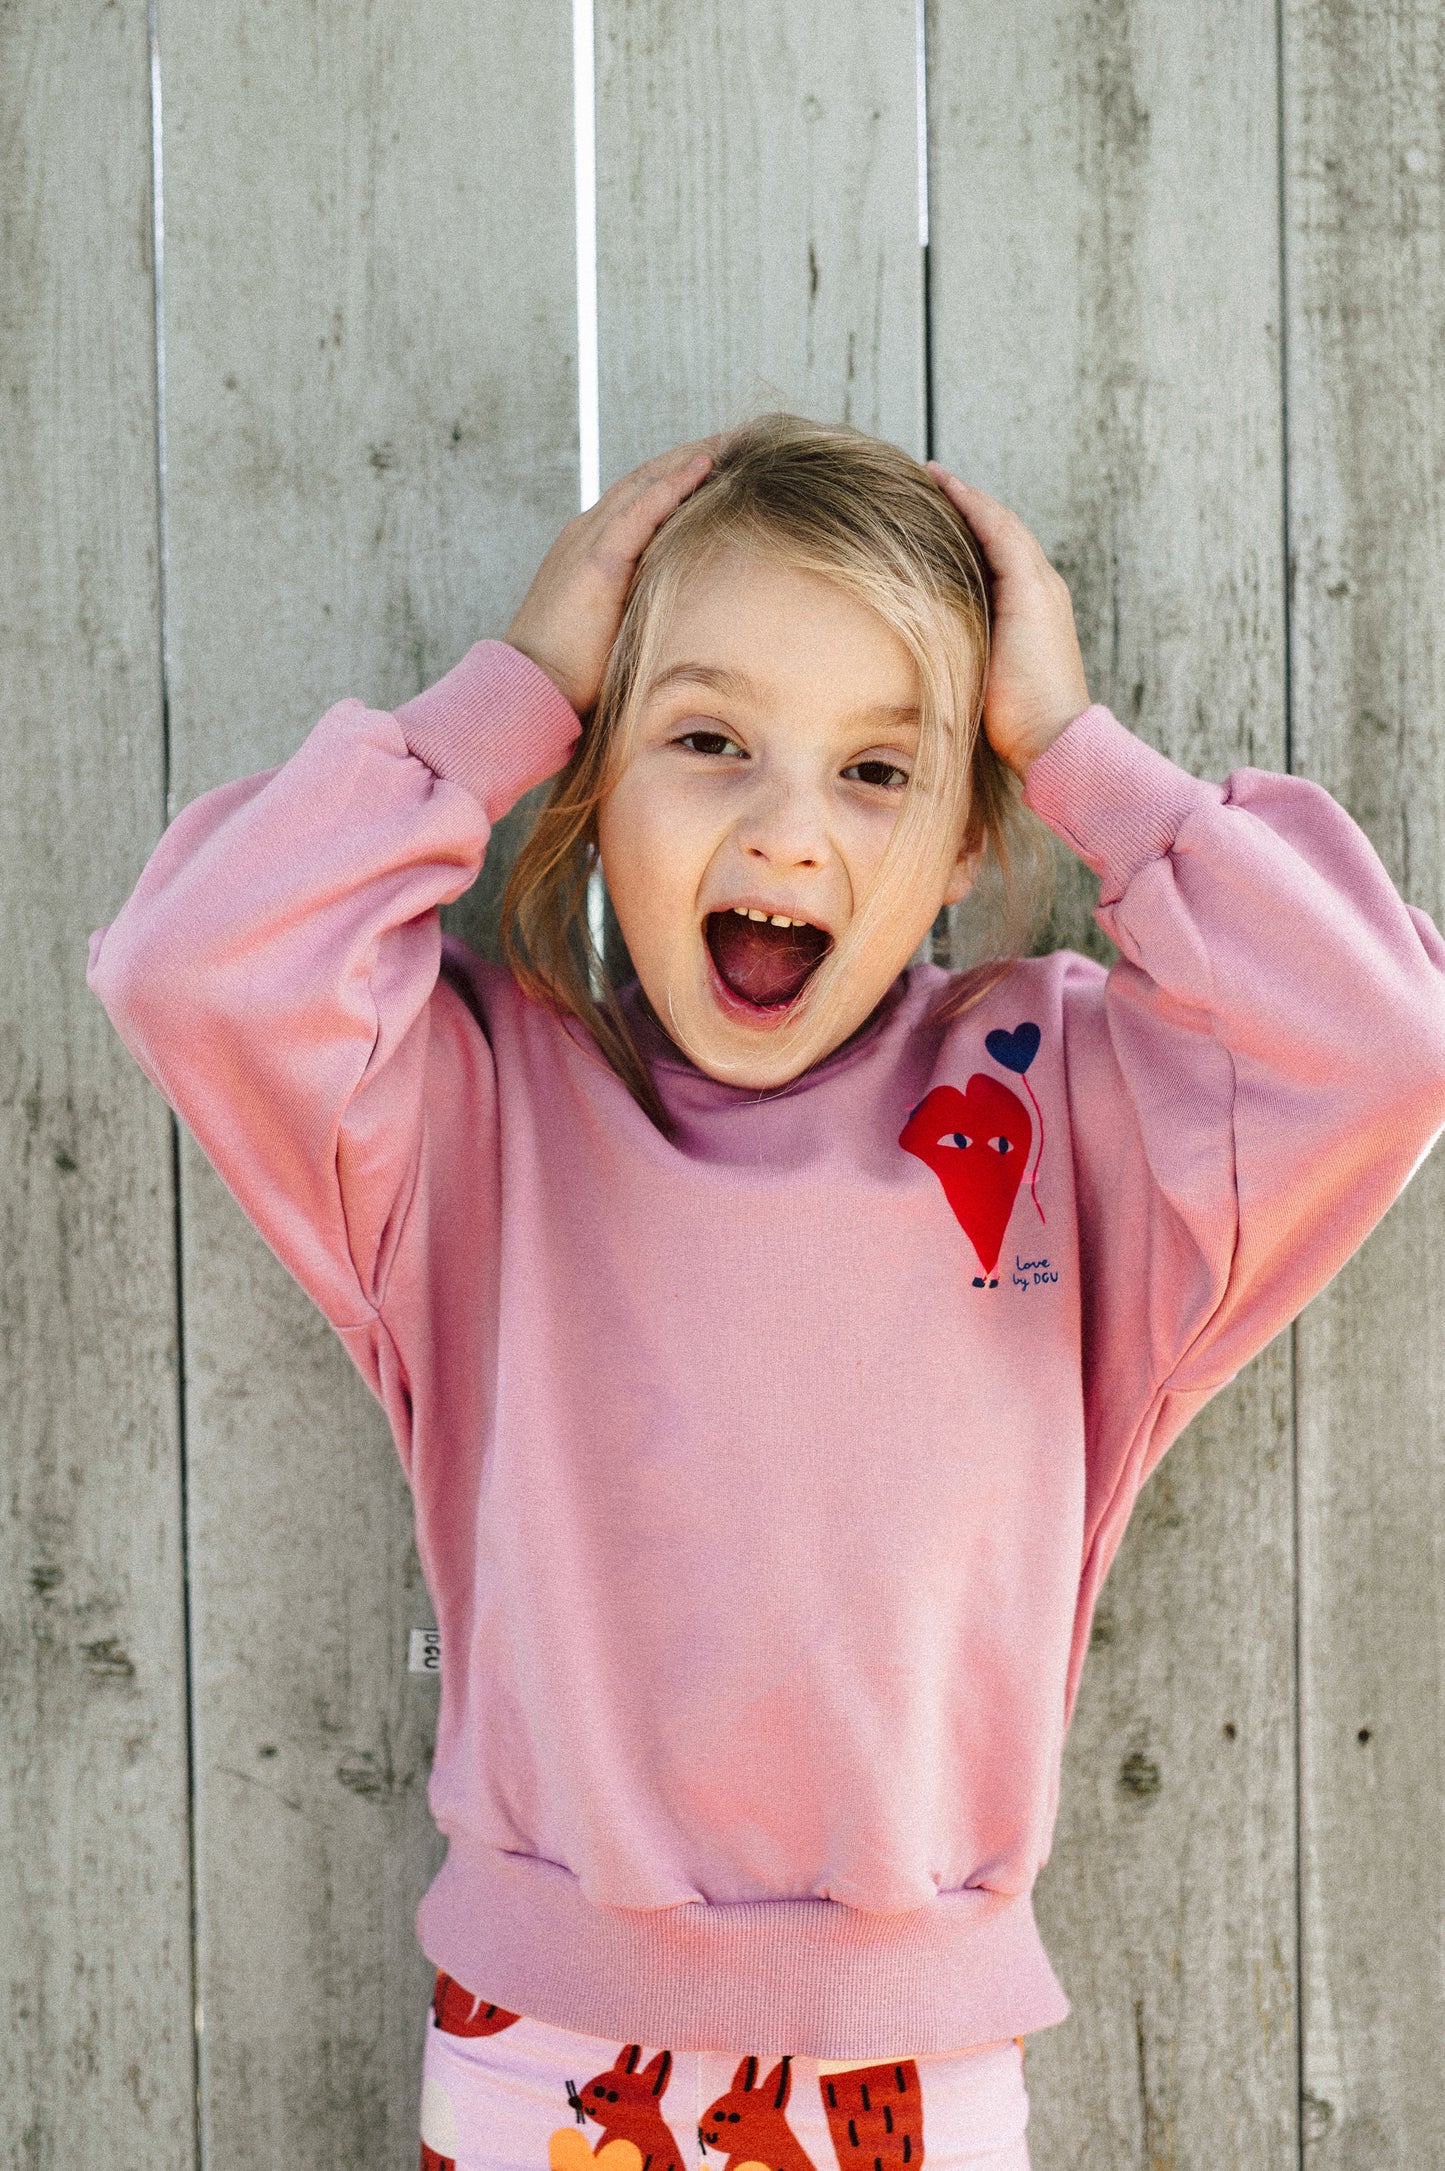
(760, 965)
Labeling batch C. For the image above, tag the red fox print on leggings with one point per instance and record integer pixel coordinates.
(749, 2124)
(457, 2012)
(875, 2115)
(627, 2105)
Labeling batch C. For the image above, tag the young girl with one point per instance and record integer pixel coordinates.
(775, 1342)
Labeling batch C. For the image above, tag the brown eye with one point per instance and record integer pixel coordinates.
(879, 772)
(706, 742)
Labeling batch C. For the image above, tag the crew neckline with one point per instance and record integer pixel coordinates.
(660, 1051)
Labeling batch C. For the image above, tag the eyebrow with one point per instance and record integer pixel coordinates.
(717, 675)
(724, 680)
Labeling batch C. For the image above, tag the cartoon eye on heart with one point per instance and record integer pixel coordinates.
(977, 1144)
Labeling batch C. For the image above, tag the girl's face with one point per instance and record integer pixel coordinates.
(764, 775)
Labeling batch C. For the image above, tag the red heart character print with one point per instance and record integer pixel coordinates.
(977, 1144)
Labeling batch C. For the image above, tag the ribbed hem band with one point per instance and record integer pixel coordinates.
(806, 1976)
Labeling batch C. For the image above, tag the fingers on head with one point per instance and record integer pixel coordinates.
(686, 474)
(662, 480)
(635, 483)
(982, 510)
(638, 513)
(652, 490)
(667, 492)
(669, 466)
(985, 515)
(1011, 546)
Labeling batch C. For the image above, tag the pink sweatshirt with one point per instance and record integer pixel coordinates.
(765, 1477)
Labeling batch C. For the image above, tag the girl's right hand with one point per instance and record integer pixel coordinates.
(569, 617)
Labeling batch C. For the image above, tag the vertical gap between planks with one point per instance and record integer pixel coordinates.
(921, 42)
(584, 137)
(158, 260)
(1282, 196)
(163, 598)
(589, 420)
(937, 945)
(921, 46)
(1296, 1490)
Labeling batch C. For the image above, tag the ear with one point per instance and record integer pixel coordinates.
(965, 871)
(660, 2067)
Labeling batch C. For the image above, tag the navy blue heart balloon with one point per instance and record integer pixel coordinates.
(1015, 1050)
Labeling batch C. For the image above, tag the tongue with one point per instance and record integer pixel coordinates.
(762, 963)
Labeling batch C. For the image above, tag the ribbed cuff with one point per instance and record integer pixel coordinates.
(495, 723)
(1112, 798)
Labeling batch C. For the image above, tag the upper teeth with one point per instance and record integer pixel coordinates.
(779, 919)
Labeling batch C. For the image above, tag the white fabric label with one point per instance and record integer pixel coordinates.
(425, 1654)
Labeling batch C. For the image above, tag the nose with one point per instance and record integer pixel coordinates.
(783, 825)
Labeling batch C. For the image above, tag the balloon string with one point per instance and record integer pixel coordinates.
(1033, 1180)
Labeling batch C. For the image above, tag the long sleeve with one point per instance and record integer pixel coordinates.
(1252, 1083)
(275, 972)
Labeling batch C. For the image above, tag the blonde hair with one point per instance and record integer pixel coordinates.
(860, 512)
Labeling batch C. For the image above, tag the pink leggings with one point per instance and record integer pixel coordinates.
(504, 2093)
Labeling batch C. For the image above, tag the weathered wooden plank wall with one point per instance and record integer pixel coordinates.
(758, 223)
(1365, 205)
(95, 1907)
(1194, 352)
(1104, 244)
(371, 405)
(1107, 359)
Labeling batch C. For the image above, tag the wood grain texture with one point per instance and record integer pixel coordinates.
(1365, 196)
(371, 411)
(370, 344)
(97, 2050)
(758, 238)
(1105, 317)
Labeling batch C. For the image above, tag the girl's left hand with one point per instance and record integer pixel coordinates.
(1036, 682)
